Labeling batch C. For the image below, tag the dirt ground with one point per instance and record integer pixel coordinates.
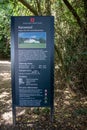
(70, 111)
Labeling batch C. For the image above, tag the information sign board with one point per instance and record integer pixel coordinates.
(32, 61)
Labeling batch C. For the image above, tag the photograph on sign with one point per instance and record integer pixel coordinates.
(32, 40)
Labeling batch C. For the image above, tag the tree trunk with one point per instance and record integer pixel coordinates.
(72, 10)
(39, 7)
(85, 29)
(48, 7)
(32, 9)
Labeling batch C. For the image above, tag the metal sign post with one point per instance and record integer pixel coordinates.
(14, 115)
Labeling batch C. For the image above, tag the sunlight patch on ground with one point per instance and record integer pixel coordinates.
(5, 62)
(9, 101)
(21, 113)
(5, 70)
(68, 97)
(85, 103)
(56, 67)
(4, 94)
(5, 76)
(67, 102)
(7, 117)
(67, 94)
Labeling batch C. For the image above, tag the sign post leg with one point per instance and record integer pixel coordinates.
(14, 116)
(51, 116)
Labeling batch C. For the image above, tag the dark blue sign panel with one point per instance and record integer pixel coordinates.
(32, 58)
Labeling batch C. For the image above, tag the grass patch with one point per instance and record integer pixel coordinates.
(32, 45)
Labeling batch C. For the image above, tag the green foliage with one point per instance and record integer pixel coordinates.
(42, 40)
(45, 111)
(70, 48)
(70, 38)
(81, 111)
(8, 8)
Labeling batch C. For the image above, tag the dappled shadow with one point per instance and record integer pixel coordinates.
(36, 126)
(5, 66)
(5, 70)
(70, 110)
(5, 92)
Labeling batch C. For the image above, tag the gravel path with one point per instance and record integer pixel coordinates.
(5, 93)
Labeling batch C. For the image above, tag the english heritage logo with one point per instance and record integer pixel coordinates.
(32, 20)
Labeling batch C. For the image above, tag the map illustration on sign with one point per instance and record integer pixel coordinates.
(32, 40)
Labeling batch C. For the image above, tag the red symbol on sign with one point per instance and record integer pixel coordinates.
(32, 20)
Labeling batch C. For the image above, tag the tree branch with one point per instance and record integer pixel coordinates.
(39, 7)
(74, 13)
(85, 7)
(48, 7)
(26, 4)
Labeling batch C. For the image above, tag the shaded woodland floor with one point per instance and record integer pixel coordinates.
(70, 110)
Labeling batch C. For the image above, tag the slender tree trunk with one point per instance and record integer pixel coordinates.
(48, 7)
(72, 10)
(85, 29)
(31, 8)
(39, 6)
